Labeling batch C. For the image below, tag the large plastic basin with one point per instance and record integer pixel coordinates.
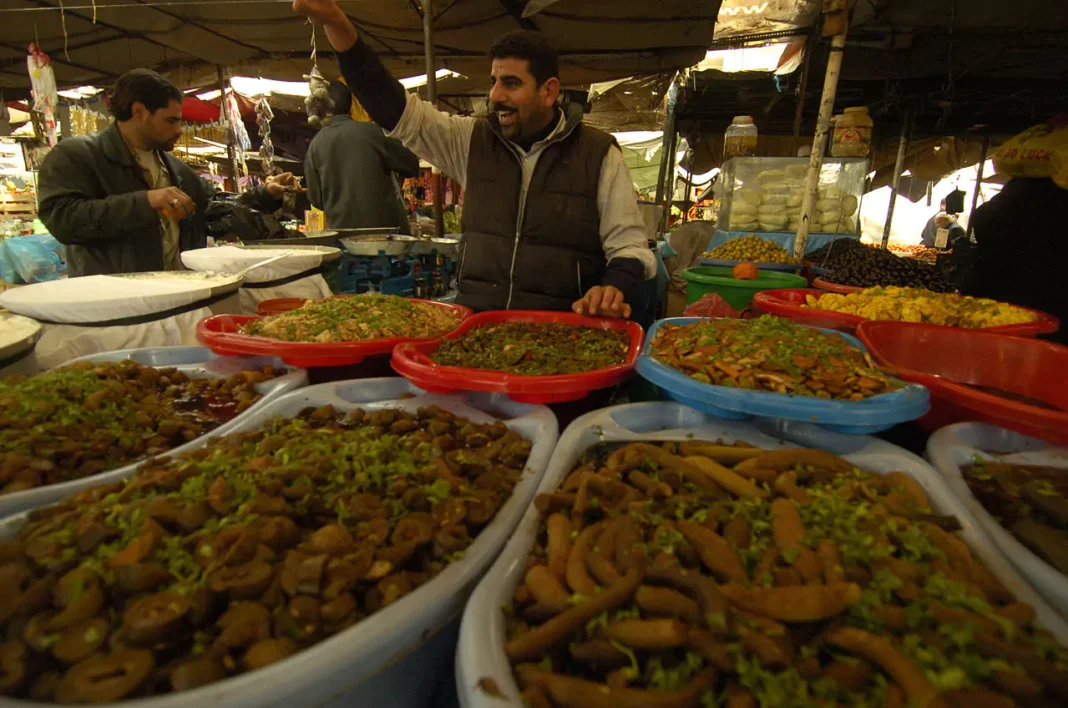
(950, 362)
(705, 280)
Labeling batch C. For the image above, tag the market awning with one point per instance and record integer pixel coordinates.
(93, 43)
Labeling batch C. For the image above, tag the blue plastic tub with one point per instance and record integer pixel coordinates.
(786, 240)
(850, 417)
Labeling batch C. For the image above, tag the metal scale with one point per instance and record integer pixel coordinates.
(384, 261)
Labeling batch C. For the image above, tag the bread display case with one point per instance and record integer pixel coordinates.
(764, 194)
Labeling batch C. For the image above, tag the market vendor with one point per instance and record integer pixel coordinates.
(550, 217)
(118, 201)
(346, 153)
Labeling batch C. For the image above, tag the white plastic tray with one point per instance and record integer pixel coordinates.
(394, 657)
(957, 446)
(196, 363)
(480, 652)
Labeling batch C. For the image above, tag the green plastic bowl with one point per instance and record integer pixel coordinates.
(739, 293)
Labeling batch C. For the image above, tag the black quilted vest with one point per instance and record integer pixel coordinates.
(546, 253)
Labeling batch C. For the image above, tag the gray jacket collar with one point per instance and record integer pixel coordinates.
(572, 118)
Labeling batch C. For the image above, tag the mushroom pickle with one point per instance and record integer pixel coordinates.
(203, 567)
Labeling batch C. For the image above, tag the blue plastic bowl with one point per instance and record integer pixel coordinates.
(866, 417)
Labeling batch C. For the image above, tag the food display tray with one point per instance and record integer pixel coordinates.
(945, 359)
(196, 363)
(789, 304)
(413, 362)
(397, 656)
(480, 653)
(956, 446)
(784, 267)
(824, 284)
(872, 415)
(222, 334)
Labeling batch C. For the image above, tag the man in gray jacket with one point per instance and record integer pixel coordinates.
(118, 200)
(349, 169)
(550, 217)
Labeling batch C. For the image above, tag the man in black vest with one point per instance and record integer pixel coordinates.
(550, 218)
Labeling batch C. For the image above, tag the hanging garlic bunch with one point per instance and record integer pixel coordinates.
(318, 101)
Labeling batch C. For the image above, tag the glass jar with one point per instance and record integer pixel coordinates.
(852, 133)
(740, 138)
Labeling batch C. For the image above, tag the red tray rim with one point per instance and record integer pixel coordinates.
(332, 352)
(406, 363)
(986, 404)
(820, 283)
(772, 300)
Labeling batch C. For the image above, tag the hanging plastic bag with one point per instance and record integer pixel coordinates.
(32, 259)
(43, 87)
(1041, 151)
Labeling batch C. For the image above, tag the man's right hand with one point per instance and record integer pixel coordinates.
(339, 29)
(172, 203)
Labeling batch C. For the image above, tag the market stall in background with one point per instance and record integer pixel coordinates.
(296, 472)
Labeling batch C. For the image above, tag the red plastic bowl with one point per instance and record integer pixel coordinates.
(821, 284)
(948, 361)
(222, 334)
(413, 362)
(279, 305)
(789, 303)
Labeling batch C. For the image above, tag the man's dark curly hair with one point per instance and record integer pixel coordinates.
(141, 85)
(535, 47)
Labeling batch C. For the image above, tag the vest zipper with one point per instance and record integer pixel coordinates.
(523, 189)
(460, 272)
(578, 273)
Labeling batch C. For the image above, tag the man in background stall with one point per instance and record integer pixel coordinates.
(118, 200)
(349, 170)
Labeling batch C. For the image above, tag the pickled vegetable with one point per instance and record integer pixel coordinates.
(751, 248)
(915, 305)
(771, 354)
(356, 318)
(831, 587)
(83, 419)
(303, 528)
(535, 349)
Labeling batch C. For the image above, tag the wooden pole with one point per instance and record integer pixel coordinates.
(432, 97)
(837, 14)
(978, 185)
(899, 164)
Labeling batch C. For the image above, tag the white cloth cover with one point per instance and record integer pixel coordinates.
(233, 259)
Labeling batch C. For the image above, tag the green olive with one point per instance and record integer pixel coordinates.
(105, 679)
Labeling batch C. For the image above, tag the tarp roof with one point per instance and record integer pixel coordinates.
(598, 39)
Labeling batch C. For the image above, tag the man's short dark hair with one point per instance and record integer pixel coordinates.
(342, 98)
(144, 86)
(535, 47)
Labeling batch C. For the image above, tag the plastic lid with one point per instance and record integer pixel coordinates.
(742, 120)
(856, 109)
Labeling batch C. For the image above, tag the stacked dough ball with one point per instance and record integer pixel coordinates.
(776, 205)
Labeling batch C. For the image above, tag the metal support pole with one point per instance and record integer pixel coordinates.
(810, 48)
(978, 185)
(432, 97)
(231, 149)
(669, 139)
(819, 141)
(899, 164)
